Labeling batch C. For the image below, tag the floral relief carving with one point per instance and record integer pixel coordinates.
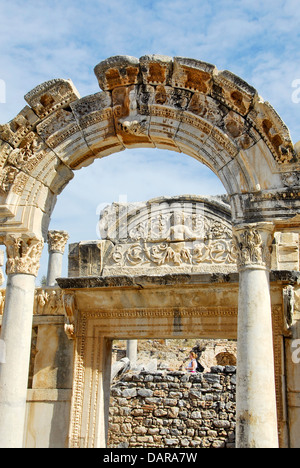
(21, 156)
(175, 240)
(23, 255)
(57, 241)
(253, 246)
(8, 175)
(176, 254)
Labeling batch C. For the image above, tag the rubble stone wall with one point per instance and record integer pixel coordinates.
(174, 409)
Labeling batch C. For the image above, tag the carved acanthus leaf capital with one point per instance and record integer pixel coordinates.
(23, 254)
(254, 244)
(57, 241)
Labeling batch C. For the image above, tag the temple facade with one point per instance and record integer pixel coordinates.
(186, 267)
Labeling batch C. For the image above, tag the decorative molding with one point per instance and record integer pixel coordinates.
(70, 310)
(188, 312)
(288, 305)
(57, 241)
(2, 300)
(23, 255)
(174, 254)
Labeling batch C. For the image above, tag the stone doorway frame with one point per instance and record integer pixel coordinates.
(95, 327)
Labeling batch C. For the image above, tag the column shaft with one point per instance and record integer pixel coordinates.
(16, 333)
(23, 255)
(256, 399)
(131, 352)
(54, 267)
(256, 395)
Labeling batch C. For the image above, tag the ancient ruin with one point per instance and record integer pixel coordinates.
(187, 267)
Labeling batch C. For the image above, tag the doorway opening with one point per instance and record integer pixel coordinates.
(158, 404)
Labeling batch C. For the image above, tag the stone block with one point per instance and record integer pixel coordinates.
(193, 75)
(61, 132)
(233, 91)
(117, 71)
(18, 128)
(50, 96)
(156, 69)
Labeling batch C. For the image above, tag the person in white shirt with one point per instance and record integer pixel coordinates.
(192, 366)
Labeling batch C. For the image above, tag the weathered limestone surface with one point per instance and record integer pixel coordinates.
(49, 394)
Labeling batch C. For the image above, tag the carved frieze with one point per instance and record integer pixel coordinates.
(177, 254)
(175, 236)
(7, 178)
(48, 301)
(17, 129)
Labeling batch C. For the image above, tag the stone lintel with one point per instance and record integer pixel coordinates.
(148, 281)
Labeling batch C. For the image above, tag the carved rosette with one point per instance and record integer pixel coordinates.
(23, 255)
(254, 244)
(57, 241)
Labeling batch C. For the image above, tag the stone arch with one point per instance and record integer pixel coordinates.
(179, 104)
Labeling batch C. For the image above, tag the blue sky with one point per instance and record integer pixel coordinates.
(41, 40)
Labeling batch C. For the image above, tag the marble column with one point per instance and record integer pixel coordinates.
(23, 255)
(131, 352)
(57, 241)
(256, 395)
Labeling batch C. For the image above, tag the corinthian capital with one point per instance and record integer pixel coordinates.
(57, 241)
(23, 254)
(253, 243)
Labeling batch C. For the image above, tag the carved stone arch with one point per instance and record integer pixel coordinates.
(178, 104)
